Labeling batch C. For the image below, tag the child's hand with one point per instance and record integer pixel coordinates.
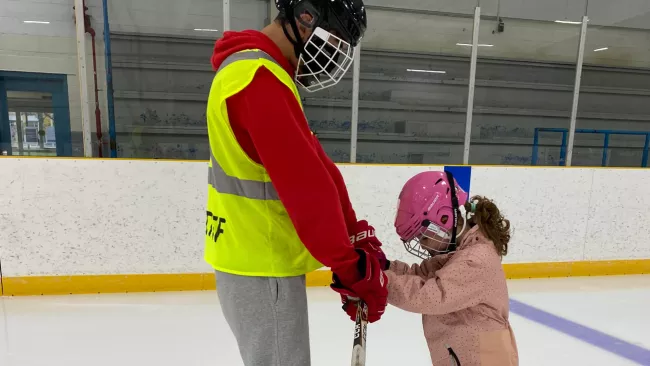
(366, 240)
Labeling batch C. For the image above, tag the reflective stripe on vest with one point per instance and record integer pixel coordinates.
(224, 183)
(217, 177)
(249, 55)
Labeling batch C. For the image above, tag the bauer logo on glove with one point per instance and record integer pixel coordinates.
(370, 233)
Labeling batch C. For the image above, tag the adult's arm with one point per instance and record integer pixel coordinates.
(344, 198)
(276, 125)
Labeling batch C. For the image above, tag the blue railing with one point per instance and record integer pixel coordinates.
(607, 133)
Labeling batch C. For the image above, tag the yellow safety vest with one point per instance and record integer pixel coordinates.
(248, 230)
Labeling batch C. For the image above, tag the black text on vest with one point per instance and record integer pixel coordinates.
(214, 226)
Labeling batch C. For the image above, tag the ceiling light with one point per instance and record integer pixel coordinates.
(428, 71)
(35, 22)
(470, 45)
(601, 49)
(205, 30)
(567, 22)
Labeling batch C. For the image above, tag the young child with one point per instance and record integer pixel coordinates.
(460, 287)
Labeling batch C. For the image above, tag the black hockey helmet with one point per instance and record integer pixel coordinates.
(344, 18)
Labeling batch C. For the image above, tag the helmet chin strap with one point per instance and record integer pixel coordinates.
(454, 206)
(461, 230)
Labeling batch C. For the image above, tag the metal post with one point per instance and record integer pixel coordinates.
(226, 15)
(605, 148)
(533, 159)
(472, 84)
(5, 125)
(41, 130)
(646, 146)
(356, 71)
(109, 83)
(563, 150)
(576, 88)
(83, 77)
(19, 132)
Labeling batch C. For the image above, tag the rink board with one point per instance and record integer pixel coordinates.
(93, 225)
(59, 285)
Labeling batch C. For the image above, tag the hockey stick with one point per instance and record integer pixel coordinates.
(360, 329)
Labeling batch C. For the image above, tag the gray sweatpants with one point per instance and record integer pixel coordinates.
(268, 317)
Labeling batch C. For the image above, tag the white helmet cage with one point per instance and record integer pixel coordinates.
(324, 61)
(437, 234)
(325, 57)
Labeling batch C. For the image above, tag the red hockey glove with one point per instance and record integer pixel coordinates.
(372, 288)
(366, 239)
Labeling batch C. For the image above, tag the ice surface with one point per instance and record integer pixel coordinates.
(188, 329)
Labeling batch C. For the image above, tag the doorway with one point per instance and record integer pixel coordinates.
(34, 114)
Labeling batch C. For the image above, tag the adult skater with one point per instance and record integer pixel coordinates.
(277, 206)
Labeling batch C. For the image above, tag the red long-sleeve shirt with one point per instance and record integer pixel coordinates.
(271, 128)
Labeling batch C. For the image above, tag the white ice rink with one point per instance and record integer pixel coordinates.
(171, 329)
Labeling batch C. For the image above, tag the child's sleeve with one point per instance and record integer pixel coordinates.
(458, 286)
(401, 268)
(427, 266)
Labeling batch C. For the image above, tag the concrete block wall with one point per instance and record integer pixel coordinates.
(52, 48)
(162, 69)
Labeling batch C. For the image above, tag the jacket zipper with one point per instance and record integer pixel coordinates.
(453, 359)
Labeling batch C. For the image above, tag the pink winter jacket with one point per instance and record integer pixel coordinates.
(464, 301)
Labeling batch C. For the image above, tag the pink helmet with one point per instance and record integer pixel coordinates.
(426, 209)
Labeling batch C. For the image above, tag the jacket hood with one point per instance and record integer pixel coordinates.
(233, 42)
